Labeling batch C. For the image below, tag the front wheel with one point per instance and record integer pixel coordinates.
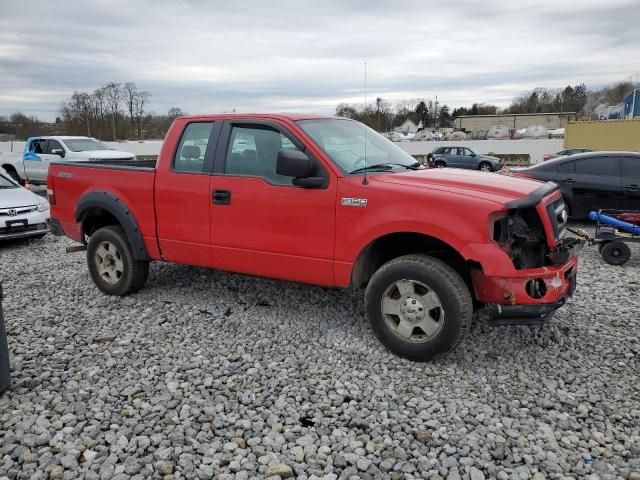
(485, 167)
(418, 307)
(111, 264)
(440, 165)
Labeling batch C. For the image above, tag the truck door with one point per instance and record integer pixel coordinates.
(36, 160)
(182, 195)
(260, 223)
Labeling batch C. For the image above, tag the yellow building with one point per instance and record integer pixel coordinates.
(603, 135)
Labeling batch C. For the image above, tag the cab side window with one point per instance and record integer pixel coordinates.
(38, 147)
(54, 145)
(190, 155)
(253, 151)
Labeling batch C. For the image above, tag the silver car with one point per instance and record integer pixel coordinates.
(22, 212)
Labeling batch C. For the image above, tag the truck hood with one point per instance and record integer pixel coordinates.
(489, 186)
(18, 197)
(102, 154)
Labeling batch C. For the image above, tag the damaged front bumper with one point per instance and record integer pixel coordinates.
(528, 296)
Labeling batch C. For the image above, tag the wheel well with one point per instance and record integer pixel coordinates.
(97, 218)
(394, 245)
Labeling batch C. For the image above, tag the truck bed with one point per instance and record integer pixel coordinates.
(131, 182)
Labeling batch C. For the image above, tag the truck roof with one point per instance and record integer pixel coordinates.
(289, 116)
(62, 137)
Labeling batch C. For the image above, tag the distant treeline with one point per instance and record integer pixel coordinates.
(118, 111)
(382, 115)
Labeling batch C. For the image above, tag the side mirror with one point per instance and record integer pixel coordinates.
(473, 154)
(58, 151)
(296, 164)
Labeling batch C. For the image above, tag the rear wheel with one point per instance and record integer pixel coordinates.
(615, 253)
(418, 306)
(111, 264)
(485, 167)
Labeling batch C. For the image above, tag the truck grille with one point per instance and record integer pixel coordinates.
(558, 215)
(12, 212)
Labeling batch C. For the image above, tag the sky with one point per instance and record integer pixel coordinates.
(301, 56)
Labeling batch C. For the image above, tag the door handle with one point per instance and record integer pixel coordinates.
(221, 197)
(633, 186)
(567, 180)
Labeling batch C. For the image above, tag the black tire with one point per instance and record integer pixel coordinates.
(456, 306)
(440, 165)
(485, 166)
(615, 252)
(133, 274)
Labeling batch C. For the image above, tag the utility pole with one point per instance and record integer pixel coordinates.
(436, 113)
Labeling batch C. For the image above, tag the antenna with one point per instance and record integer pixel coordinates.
(364, 180)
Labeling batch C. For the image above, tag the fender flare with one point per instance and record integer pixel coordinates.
(109, 202)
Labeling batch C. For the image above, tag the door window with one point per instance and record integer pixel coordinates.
(602, 166)
(38, 147)
(567, 167)
(631, 167)
(192, 148)
(253, 151)
(54, 145)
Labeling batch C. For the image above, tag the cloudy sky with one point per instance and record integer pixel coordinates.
(253, 55)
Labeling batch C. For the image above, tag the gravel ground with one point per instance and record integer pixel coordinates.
(210, 375)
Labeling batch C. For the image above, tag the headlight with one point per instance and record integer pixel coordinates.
(43, 207)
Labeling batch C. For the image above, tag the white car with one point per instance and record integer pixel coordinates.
(33, 163)
(22, 212)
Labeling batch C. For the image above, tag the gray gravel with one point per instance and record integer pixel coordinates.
(210, 375)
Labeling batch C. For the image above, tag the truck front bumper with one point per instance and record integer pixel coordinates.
(527, 296)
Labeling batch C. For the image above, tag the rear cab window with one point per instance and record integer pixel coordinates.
(193, 148)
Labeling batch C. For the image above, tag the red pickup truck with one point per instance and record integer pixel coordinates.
(326, 201)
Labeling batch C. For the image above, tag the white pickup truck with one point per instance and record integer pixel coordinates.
(32, 164)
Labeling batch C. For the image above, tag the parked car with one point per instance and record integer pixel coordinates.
(33, 163)
(22, 212)
(313, 203)
(562, 153)
(465, 157)
(590, 181)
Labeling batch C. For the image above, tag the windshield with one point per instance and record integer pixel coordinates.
(6, 183)
(344, 142)
(84, 145)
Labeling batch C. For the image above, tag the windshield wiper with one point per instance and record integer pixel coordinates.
(386, 166)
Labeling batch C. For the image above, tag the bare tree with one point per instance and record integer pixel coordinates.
(113, 97)
(141, 99)
(129, 92)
